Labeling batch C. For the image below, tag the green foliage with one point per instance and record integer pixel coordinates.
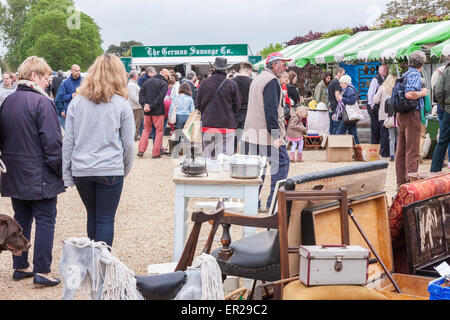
(12, 18)
(398, 10)
(397, 22)
(270, 49)
(45, 33)
(124, 49)
(337, 32)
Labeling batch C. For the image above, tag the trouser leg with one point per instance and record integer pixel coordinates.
(23, 214)
(442, 146)
(44, 212)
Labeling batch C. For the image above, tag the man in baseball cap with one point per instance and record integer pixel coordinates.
(264, 130)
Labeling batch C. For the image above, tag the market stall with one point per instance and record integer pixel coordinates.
(184, 58)
(301, 53)
(387, 44)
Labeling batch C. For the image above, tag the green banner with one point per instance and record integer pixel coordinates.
(189, 51)
(254, 59)
(127, 63)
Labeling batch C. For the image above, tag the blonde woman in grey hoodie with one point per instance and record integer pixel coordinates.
(98, 147)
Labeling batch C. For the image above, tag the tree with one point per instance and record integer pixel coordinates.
(124, 49)
(302, 39)
(12, 18)
(402, 9)
(270, 49)
(49, 32)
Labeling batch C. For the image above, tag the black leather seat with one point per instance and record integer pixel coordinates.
(162, 286)
(255, 257)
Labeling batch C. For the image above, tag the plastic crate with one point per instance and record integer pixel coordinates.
(437, 291)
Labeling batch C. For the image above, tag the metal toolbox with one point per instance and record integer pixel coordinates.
(333, 265)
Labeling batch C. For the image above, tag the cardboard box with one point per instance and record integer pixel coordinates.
(367, 152)
(339, 148)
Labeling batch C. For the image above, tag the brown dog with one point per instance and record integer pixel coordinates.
(11, 237)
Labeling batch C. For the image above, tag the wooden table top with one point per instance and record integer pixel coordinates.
(222, 177)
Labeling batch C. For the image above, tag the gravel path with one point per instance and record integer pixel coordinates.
(144, 220)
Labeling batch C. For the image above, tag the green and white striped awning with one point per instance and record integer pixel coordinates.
(302, 53)
(441, 50)
(394, 43)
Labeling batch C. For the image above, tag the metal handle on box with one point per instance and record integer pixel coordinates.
(343, 246)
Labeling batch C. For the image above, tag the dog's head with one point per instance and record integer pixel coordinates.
(11, 237)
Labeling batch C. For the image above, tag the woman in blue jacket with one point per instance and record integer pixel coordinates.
(349, 96)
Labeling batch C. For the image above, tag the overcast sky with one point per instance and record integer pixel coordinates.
(254, 22)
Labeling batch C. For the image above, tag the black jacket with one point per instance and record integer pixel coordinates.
(220, 113)
(56, 83)
(293, 94)
(243, 83)
(193, 88)
(153, 92)
(31, 146)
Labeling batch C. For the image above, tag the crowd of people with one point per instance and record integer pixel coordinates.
(81, 131)
(398, 134)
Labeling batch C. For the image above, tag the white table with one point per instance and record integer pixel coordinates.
(215, 185)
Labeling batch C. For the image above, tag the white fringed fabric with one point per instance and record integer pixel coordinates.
(212, 287)
(119, 282)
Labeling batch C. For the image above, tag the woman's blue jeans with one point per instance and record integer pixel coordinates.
(350, 128)
(100, 196)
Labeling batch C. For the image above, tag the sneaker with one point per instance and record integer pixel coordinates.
(140, 154)
(156, 157)
(263, 210)
(392, 159)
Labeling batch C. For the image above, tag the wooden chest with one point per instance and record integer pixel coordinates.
(321, 225)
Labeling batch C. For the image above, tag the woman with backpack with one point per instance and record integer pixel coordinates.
(349, 96)
(409, 120)
(386, 114)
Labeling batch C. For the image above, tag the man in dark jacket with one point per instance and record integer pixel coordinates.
(150, 73)
(443, 98)
(151, 97)
(375, 130)
(265, 131)
(57, 82)
(31, 148)
(67, 90)
(191, 77)
(243, 80)
(218, 99)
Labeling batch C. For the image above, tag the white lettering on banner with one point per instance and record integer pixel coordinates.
(222, 50)
(192, 49)
(149, 51)
(164, 51)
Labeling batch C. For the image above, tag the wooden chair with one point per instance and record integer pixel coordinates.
(264, 256)
(199, 218)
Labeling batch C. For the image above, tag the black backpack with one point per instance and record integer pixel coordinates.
(398, 100)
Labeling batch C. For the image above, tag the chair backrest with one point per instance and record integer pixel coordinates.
(286, 198)
(199, 218)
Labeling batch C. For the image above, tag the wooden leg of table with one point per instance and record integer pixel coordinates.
(179, 222)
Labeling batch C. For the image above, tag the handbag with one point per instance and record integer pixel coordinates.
(389, 122)
(192, 122)
(173, 114)
(352, 113)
